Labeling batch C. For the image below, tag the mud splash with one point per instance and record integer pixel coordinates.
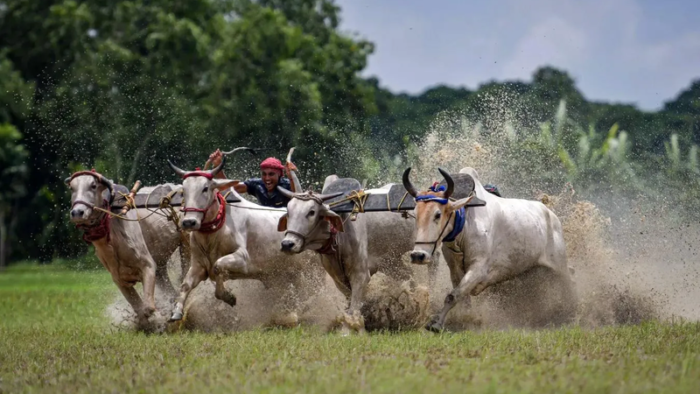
(390, 304)
(630, 263)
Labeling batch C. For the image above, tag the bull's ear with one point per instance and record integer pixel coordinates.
(282, 224)
(460, 203)
(223, 184)
(334, 219)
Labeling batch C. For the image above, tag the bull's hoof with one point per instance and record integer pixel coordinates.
(229, 299)
(435, 327)
(351, 323)
(147, 312)
(177, 316)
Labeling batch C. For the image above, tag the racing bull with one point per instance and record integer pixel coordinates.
(234, 241)
(351, 251)
(484, 245)
(131, 250)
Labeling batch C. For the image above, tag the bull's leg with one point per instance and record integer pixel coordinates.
(221, 293)
(475, 279)
(358, 283)
(236, 265)
(185, 257)
(232, 266)
(132, 297)
(148, 278)
(332, 267)
(353, 319)
(195, 275)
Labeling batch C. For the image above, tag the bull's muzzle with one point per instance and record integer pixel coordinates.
(420, 257)
(80, 213)
(190, 224)
(287, 246)
(77, 213)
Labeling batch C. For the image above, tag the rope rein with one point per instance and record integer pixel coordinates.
(460, 219)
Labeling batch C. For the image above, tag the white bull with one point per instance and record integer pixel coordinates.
(503, 239)
(351, 251)
(132, 251)
(234, 241)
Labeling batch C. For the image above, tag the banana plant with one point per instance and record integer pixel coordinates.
(675, 158)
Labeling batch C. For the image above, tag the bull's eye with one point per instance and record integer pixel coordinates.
(311, 213)
(93, 186)
(438, 215)
(206, 189)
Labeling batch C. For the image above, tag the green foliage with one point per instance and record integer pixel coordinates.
(13, 173)
(121, 86)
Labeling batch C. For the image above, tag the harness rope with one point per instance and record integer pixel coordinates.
(215, 224)
(93, 232)
(460, 217)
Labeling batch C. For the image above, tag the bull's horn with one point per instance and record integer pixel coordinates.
(288, 194)
(450, 183)
(178, 171)
(325, 197)
(107, 183)
(218, 168)
(407, 183)
(67, 180)
(251, 150)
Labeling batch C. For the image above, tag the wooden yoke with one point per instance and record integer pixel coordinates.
(130, 198)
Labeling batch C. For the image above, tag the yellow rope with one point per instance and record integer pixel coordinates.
(388, 203)
(165, 204)
(120, 217)
(357, 197)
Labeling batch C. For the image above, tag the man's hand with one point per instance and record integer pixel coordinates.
(215, 158)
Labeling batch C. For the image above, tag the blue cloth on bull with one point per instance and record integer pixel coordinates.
(256, 187)
(460, 218)
(429, 197)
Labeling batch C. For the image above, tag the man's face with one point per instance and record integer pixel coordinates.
(270, 177)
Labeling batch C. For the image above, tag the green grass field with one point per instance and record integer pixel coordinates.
(54, 338)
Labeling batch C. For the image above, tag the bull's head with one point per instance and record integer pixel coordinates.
(199, 194)
(89, 189)
(434, 213)
(307, 221)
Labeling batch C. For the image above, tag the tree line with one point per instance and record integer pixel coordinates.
(120, 86)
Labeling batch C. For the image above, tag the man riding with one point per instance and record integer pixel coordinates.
(263, 188)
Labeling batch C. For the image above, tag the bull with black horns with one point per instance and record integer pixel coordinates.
(487, 244)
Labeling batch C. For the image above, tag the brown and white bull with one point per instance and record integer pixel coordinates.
(351, 251)
(484, 245)
(235, 241)
(131, 250)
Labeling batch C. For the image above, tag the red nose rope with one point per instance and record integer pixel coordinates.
(219, 220)
(92, 233)
(330, 247)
